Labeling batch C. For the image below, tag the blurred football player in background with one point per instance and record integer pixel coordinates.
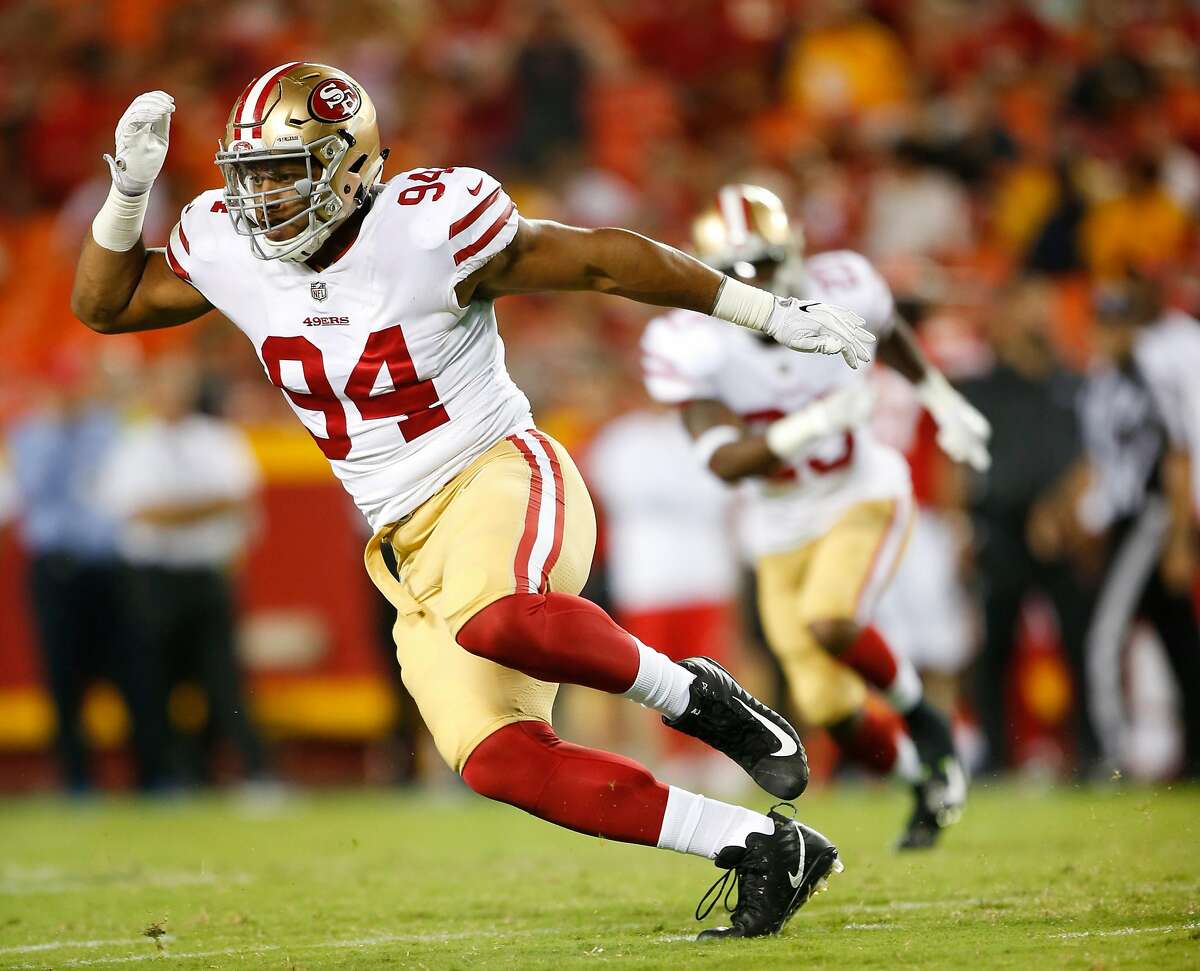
(1140, 412)
(669, 560)
(829, 507)
(370, 305)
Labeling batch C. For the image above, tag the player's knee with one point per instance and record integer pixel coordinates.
(506, 625)
(836, 634)
(823, 700)
(512, 764)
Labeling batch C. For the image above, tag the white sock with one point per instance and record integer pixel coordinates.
(905, 691)
(703, 827)
(660, 684)
(908, 762)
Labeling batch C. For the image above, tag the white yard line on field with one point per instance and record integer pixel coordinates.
(365, 942)
(14, 885)
(1125, 931)
(901, 905)
(63, 945)
(155, 953)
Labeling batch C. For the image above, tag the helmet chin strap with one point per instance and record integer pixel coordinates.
(314, 242)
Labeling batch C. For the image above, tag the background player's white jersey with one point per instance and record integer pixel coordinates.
(400, 387)
(666, 527)
(688, 356)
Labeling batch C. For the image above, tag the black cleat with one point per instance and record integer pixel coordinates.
(940, 798)
(774, 876)
(726, 716)
(922, 829)
(939, 804)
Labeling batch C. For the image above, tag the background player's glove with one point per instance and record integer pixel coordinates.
(846, 408)
(963, 432)
(142, 135)
(822, 328)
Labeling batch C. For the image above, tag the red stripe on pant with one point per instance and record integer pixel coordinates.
(522, 564)
(532, 511)
(597, 793)
(560, 509)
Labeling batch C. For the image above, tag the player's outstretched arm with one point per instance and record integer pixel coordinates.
(963, 432)
(722, 442)
(550, 256)
(119, 285)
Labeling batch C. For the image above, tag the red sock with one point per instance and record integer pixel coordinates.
(872, 657)
(526, 765)
(872, 739)
(882, 668)
(554, 637)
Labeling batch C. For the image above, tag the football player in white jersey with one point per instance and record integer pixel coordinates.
(370, 306)
(829, 507)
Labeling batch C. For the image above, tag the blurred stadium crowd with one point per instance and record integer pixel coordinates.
(996, 160)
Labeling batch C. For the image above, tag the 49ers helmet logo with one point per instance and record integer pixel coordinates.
(334, 100)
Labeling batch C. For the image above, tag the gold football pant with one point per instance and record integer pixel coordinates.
(837, 577)
(517, 519)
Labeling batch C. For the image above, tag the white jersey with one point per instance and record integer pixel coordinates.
(667, 536)
(688, 357)
(400, 386)
(1131, 416)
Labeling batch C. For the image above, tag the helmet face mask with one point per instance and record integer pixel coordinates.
(254, 211)
(298, 113)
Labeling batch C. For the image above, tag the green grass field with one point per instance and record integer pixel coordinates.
(1066, 878)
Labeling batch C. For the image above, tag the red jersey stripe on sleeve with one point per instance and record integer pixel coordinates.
(489, 234)
(470, 218)
(187, 247)
(176, 266)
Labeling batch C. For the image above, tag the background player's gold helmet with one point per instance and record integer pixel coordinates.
(745, 227)
(303, 111)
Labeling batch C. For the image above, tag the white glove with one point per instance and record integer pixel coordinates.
(844, 409)
(821, 328)
(802, 325)
(963, 432)
(141, 137)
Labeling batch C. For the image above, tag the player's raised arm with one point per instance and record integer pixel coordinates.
(963, 432)
(550, 256)
(121, 286)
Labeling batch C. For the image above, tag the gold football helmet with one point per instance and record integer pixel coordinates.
(746, 232)
(299, 110)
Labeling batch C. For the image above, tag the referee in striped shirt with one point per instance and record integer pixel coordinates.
(1140, 415)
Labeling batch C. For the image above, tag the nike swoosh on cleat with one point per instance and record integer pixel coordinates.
(797, 878)
(787, 744)
(475, 190)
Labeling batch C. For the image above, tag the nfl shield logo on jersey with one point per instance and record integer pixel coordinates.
(319, 291)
